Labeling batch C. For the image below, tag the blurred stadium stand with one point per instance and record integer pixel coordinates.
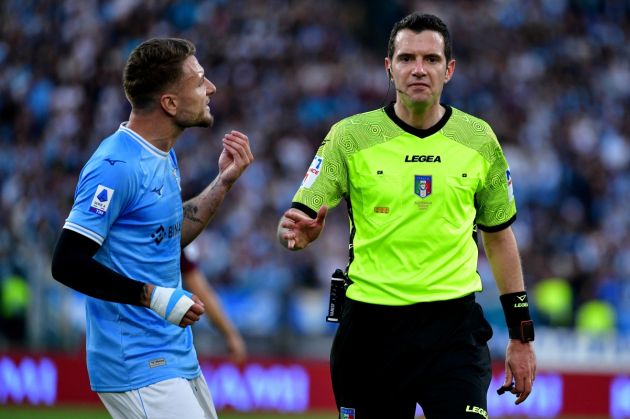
(551, 76)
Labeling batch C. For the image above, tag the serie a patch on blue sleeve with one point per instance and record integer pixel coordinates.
(100, 201)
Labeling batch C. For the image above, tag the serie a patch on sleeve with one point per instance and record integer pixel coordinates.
(347, 413)
(313, 172)
(510, 188)
(100, 201)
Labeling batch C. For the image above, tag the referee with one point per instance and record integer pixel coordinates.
(420, 179)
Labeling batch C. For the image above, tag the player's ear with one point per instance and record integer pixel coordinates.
(168, 102)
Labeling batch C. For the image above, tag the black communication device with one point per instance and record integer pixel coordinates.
(337, 296)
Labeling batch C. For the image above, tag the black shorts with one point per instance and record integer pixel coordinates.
(385, 359)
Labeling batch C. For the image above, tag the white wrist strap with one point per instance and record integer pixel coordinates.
(171, 303)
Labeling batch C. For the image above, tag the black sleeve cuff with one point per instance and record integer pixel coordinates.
(308, 211)
(494, 229)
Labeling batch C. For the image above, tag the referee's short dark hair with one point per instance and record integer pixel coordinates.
(419, 22)
(152, 66)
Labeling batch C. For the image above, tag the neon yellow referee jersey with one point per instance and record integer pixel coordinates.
(415, 198)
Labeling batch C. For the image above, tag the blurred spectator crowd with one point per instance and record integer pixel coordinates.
(551, 76)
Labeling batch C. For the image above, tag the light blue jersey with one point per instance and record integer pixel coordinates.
(128, 200)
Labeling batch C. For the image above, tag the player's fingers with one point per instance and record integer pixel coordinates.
(240, 146)
(197, 300)
(236, 153)
(236, 142)
(186, 322)
(243, 140)
(196, 309)
(249, 153)
(191, 317)
(238, 134)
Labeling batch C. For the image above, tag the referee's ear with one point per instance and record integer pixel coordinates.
(450, 69)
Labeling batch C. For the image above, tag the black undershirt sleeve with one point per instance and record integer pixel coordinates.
(74, 265)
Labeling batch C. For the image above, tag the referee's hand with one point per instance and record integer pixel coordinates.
(298, 229)
(520, 369)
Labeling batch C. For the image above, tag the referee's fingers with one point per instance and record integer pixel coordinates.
(321, 214)
(522, 397)
(522, 388)
(508, 377)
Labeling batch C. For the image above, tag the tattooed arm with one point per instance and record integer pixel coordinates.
(198, 211)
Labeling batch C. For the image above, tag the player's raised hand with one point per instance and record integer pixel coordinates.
(297, 229)
(235, 157)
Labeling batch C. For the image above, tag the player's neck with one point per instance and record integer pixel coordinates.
(418, 116)
(160, 132)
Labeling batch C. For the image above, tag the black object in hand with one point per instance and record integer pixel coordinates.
(504, 389)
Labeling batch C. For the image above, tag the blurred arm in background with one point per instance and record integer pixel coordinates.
(196, 282)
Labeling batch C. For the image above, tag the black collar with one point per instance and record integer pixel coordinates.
(422, 133)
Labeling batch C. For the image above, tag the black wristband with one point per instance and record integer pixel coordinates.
(516, 311)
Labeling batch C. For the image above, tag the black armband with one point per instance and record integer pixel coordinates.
(516, 311)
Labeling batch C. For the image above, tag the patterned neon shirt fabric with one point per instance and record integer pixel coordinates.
(415, 199)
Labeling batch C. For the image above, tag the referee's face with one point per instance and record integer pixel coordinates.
(419, 68)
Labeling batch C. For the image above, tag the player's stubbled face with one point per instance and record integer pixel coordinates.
(193, 96)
